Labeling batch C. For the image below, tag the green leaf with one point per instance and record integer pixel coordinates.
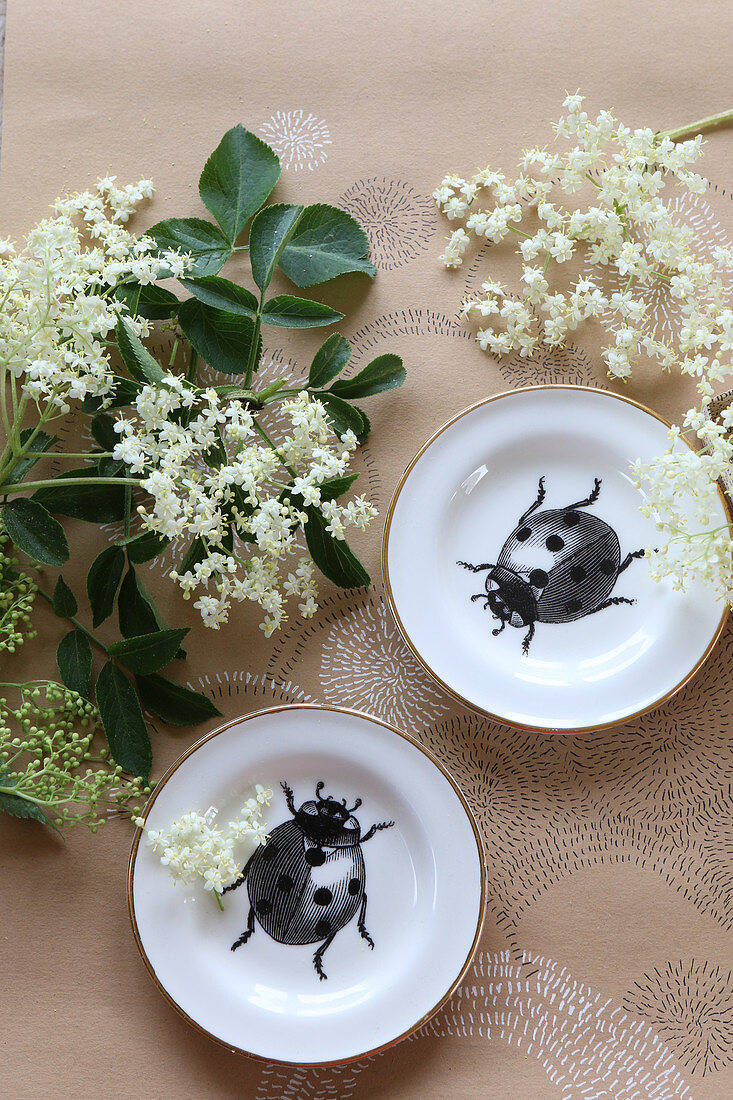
(149, 652)
(269, 234)
(195, 553)
(64, 600)
(103, 580)
(329, 360)
(222, 339)
(333, 556)
(123, 721)
(35, 532)
(138, 359)
(74, 658)
(205, 243)
(103, 430)
(145, 547)
(343, 417)
(93, 503)
(212, 290)
(336, 486)
(135, 611)
(124, 393)
(16, 806)
(326, 242)
(383, 373)
(148, 300)
(177, 705)
(41, 442)
(237, 178)
(289, 312)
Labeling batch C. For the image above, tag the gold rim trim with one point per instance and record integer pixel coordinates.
(294, 708)
(403, 630)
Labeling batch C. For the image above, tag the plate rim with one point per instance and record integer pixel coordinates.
(475, 707)
(480, 848)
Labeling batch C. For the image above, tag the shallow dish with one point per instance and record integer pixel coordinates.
(509, 561)
(414, 886)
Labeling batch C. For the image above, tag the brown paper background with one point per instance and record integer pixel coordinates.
(605, 967)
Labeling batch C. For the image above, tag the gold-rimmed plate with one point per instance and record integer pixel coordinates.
(512, 561)
(357, 919)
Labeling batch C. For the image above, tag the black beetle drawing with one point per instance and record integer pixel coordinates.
(307, 882)
(560, 567)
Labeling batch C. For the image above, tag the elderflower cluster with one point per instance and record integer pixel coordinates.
(215, 476)
(49, 766)
(195, 847)
(57, 298)
(629, 237)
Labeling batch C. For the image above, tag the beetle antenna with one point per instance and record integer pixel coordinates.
(498, 629)
(356, 805)
(319, 787)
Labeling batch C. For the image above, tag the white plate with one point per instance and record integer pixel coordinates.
(423, 876)
(461, 500)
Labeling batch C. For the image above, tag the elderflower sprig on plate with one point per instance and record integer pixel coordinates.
(196, 848)
(632, 242)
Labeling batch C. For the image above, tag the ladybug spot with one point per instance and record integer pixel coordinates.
(523, 534)
(538, 578)
(270, 852)
(554, 543)
(571, 518)
(323, 928)
(578, 574)
(606, 567)
(354, 886)
(573, 606)
(263, 907)
(323, 896)
(285, 883)
(315, 857)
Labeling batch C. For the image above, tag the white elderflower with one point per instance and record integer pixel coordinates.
(247, 509)
(195, 847)
(625, 227)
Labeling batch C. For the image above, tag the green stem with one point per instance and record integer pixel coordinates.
(519, 232)
(241, 248)
(75, 622)
(67, 454)
(695, 128)
(219, 902)
(18, 793)
(252, 358)
(54, 484)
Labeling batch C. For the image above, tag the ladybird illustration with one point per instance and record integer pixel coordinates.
(556, 566)
(307, 882)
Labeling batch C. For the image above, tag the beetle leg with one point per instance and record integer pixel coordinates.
(318, 956)
(590, 499)
(612, 602)
(360, 923)
(629, 558)
(288, 796)
(528, 639)
(248, 930)
(476, 568)
(533, 507)
(375, 828)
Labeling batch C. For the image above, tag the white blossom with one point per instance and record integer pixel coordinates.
(627, 229)
(196, 848)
